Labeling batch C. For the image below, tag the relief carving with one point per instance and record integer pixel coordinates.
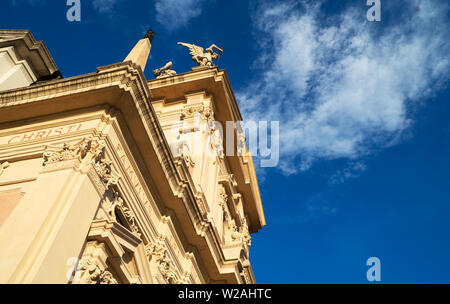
(239, 234)
(180, 148)
(155, 252)
(217, 142)
(197, 111)
(159, 255)
(223, 203)
(109, 208)
(103, 169)
(245, 234)
(241, 144)
(92, 273)
(70, 151)
(89, 149)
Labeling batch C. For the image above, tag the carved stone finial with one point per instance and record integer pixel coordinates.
(202, 57)
(150, 35)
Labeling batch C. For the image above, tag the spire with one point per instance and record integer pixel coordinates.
(139, 54)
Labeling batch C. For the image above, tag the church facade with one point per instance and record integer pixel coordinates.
(105, 179)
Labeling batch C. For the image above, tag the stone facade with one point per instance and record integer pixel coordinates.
(92, 190)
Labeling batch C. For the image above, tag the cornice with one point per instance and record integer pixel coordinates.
(13, 37)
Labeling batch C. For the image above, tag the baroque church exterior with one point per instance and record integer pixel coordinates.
(98, 183)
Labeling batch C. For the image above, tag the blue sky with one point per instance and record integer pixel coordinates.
(363, 110)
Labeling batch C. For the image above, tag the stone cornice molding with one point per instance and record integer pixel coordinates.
(35, 51)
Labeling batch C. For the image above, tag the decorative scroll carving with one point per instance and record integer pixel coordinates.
(109, 208)
(89, 149)
(155, 252)
(234, 229)
(75, 151)
(180, 148)
(233, 233)
(199, 110)
(67, 152)
(245, 234)
(103, 169)
(185, 278)
(159, 255)
(92, 273)
(232, 179)
(3, 166)
(239, 234)
(166, 268)
(129, 215)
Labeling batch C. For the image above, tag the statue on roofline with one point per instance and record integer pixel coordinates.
(165, 71)
(203, 57)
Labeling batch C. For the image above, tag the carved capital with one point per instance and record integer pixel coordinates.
(88, 150)
(238, 234)
(158, 254)
(87, 146)
(155, 252)
(197, 110)
(92, 273)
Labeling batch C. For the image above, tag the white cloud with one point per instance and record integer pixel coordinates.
(174, 14)
(104, 6)
(343, 87)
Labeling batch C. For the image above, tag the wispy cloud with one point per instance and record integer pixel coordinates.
(343, 87)
(353, 170)
(104, 6)
(174, 14)
(30, 2)
(323, 203)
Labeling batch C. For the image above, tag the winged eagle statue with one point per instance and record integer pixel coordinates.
(203, 57)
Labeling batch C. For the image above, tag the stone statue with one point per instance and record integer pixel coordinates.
(165, 71)
(201, 57)
(149, 35)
